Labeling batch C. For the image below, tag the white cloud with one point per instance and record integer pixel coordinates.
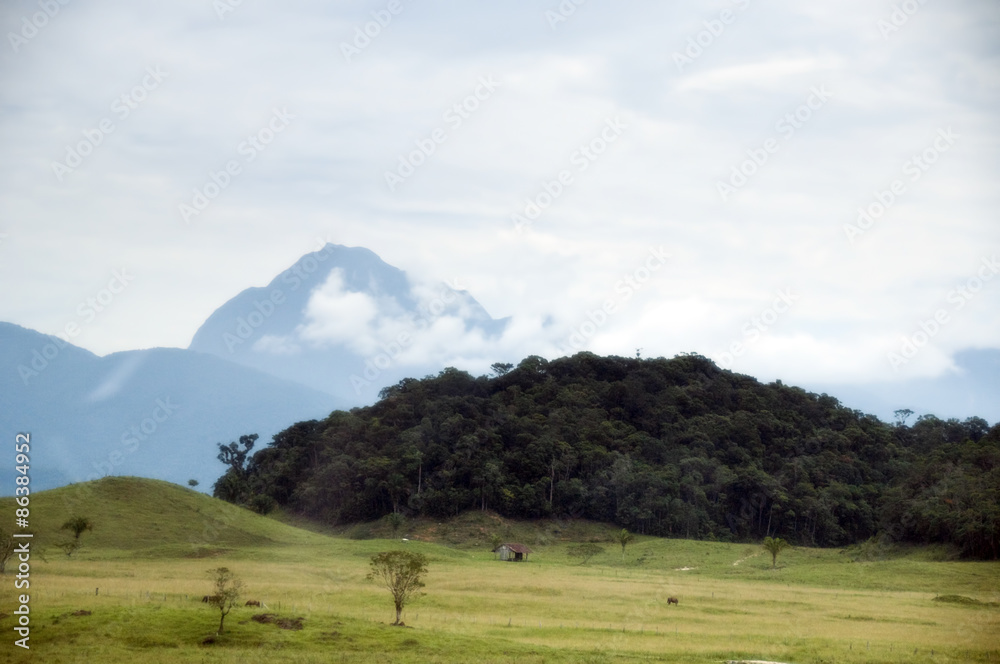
(335, 315)
(324, 176)
(768, 74)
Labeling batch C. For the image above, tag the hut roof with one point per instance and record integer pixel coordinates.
(516, 548)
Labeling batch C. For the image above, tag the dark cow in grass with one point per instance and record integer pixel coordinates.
(252, 602)
(673, 600)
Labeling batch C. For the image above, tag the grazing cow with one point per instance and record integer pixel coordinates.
(211, 599)
(252, 602)
(673, 600)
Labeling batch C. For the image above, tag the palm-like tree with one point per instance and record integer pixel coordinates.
(774, 546)
(623, 538)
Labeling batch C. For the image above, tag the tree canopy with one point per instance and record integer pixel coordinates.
(668, 447)
(401, 572)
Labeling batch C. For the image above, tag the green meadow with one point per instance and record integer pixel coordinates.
(133, 593)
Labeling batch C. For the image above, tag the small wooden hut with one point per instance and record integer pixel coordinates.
(512, 552)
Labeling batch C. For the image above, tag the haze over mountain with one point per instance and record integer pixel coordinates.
(329, 332)
(154, 413)
(333, 321)
(343, 321)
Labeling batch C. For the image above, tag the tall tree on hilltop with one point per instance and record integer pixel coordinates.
(233, 486)
(233, 456)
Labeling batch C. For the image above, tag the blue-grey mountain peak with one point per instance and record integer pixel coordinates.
(343, 321)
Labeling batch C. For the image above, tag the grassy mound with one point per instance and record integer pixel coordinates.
(132, 514)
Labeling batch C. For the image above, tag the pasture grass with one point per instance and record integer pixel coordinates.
(143, 595)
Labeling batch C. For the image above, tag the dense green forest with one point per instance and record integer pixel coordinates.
(670, 447)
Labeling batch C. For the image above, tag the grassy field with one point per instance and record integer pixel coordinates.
(133, 592)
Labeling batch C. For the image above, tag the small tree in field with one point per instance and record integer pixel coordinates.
(400, 572)
(78, 524)
(585, 551)
(624, 538)
(774, 546)
(228, 588)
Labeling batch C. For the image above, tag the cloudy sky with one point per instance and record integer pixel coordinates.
(802, 186)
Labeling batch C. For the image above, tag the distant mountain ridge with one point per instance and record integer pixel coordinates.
(159, 412)
(268, 328)
(330, 332)
(156, 413)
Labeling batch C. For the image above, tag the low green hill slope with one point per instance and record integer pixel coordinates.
(131, 513)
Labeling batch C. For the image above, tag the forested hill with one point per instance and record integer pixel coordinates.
(666, 447)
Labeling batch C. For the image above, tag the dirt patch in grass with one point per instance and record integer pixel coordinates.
(965, 601)
(283, 623)
(80, 613)
(206, 552)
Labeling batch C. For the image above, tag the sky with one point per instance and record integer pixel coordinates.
(803, 191)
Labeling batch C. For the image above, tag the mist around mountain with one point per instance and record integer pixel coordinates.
(154, 413)
(342, 321)
(327, 333)
(330, 332)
